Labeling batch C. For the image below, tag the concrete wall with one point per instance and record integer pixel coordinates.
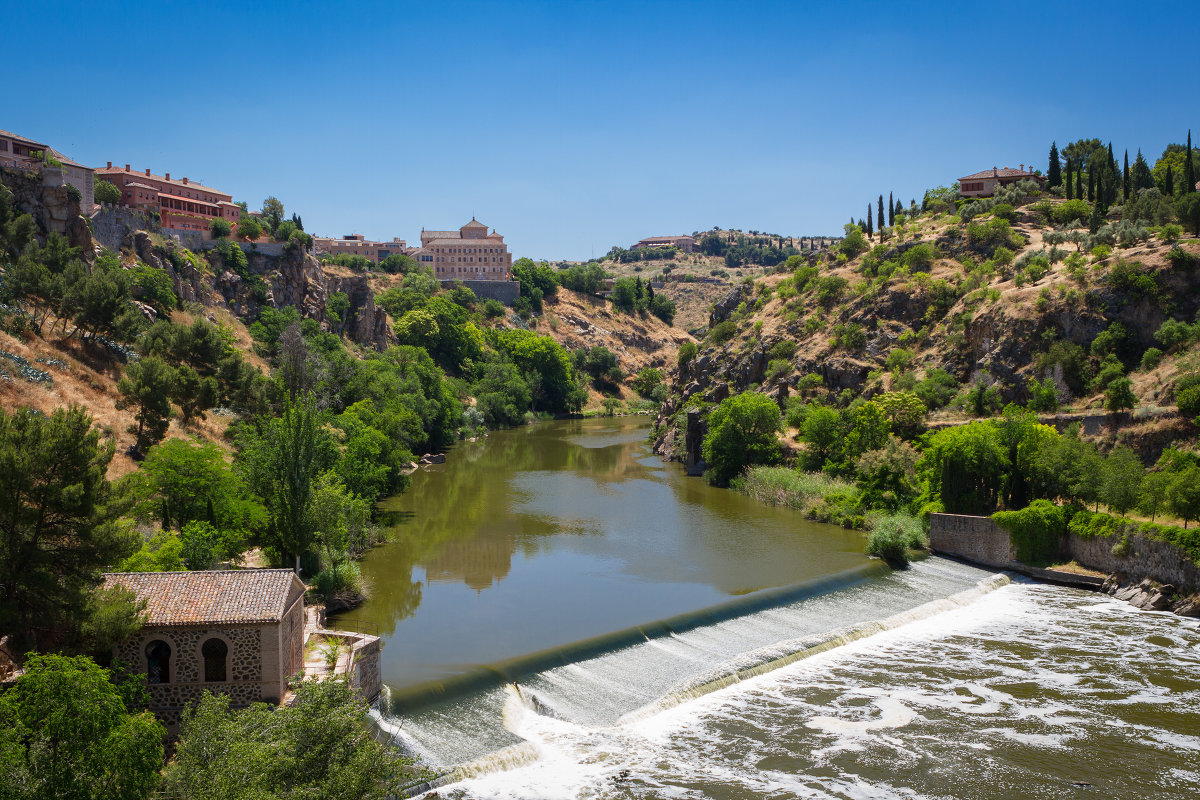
(504, 291)
(976, 539)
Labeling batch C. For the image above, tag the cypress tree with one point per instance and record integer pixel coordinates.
(1092, 184)
(891, 211)
(880, 217)
(1125, 177)
(1079, 183)
(1070, 183)
(1054, 168)
(1170, 182)
(870, 223)
(1189, 172)
(1140, 177)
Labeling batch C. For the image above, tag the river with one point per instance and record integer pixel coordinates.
(757, 655)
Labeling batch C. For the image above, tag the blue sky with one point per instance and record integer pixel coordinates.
(571, 127)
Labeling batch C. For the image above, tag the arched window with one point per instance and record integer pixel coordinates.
(158, 662)
(214, 652)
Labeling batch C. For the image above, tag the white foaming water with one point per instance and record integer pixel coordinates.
(1026, 691)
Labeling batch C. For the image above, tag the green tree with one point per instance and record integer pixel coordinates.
(1123, 475)
(822, 432)
(502, 394)
(1188, 208)
(317, 747)
(741, 431)
(67, 731)
(1054, 168)
(220, 229)
(248, 228)
(272, 213)
(147, 387)
(647, 380)
(1119, 395)
(1155, 489)
(56, 527)
(183, 481)
(105, 191)
(1184, 494)
(965, 468)
(1189, 169)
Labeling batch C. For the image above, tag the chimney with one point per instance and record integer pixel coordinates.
(127, 168)
(110, 165)
(185, 181)
(147, 172)
(1022, 168)
(168, 176)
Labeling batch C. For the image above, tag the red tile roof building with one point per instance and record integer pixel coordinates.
(358, 245)
(183, 205)
(236, 632)
(983, 184)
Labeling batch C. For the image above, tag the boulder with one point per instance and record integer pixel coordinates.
(1190, 608)
(433, 458)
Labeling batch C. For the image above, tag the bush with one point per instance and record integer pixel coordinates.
(493, 309)
(722, 332)
(893, 535)
(220, 229)
(1004, 211)
(986, 237)
(1151, 358)
(1036, 532)
(687, 352)
(830, 289)
(340, 586)
(920, 257)
(1170, 232)
(742, 432)
(248, 228)
(106, 192)
(1071, 211)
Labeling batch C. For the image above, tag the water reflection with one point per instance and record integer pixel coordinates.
(549, 533)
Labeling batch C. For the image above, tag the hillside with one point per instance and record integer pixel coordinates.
(990, 303)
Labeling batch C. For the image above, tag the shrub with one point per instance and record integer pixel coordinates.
(340, 586)
(1151, 358)
(892, 536)
(1071, 211)
(1170, 232)
(784, 348)
(106, 192)
(1182, 259)
(1036, 532)
(1004, 211)
(722, 332)
(249, 228)
(220, 229)
(493, 309)
(687, 352)
(986, 237)
(830, 289)
(920, 257)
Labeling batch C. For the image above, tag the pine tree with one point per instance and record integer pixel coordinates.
(1125, 177)
(891, 211)
(1070, 183)
(1054, 168)
(1140, 177)
(1189, 170)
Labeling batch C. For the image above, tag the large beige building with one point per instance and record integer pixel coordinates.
(356, 244)
(467, 254)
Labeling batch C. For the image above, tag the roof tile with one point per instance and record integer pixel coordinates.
(212, 596)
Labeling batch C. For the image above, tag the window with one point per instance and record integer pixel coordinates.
(214, 652)
(158, 662)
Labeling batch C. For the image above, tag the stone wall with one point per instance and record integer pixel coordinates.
(1161, 561)
(504, 291)
(976, 539)
(114, 226)
(43, 195)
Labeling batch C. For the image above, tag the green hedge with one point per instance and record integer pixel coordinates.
(1089, 525)
(1036, 531)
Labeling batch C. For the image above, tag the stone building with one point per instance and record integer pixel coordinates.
(358, 245)
(182, 204)
(467, 254)
(233, 632)
(686, 244)
(984, 184)
(17, 152)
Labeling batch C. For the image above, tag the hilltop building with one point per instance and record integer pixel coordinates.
(356, 244)
(182, 205)
(686, 244)
(467, 254)
(983, 184)
(17, 152)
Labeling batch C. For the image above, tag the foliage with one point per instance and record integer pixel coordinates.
(1188, 209)
(687, 352)
(1119, 396)
(647, 380)
(502, 395)
(965, 468)
(248, 228)
(936, 389)
(1123, 475)
(887, 476)
(220, 229)
(1043, 396)
(317, 747)
(105, 191)
(68, 729)
(546, 365)
(1036, 532)
(56, 527)
(781, 486)
(893, 535)
(160, 552)
(722, 332)
(147, 387)
(587, 278)
(741, 431)
(1071, 211)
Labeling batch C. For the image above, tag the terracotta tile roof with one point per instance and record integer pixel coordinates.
(102, 171)
(442, 234)
(142, 186)
(213, 596)
(1003, 172)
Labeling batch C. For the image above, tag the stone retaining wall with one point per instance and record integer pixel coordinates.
(504, 291)
(976, 539)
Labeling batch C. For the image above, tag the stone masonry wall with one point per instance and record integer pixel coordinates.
(976, 539)
(1161, 561)
(504, 291)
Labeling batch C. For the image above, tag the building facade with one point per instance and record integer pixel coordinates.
(984, 184)
(467, 254)
(17, 152)
(686, 244)
(182, 205)
(233, 632)
(358, 245)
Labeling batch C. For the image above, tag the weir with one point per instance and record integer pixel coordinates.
(463, 726)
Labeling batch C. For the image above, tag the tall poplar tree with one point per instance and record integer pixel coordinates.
(1189, 173)
(1125, 177)
(1054, 168)
(891, 210)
